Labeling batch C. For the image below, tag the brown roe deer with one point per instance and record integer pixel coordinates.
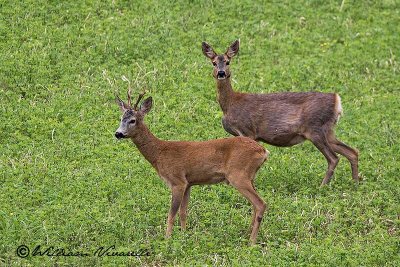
(281, 119)
(182, 164)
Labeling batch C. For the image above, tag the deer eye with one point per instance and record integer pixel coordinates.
(215, 63)
(227, 63)
(132, 121)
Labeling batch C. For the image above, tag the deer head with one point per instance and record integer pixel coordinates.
(221, 62)
(132, 117)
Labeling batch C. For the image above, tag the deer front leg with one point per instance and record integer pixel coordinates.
(183, 208)
(177, 194)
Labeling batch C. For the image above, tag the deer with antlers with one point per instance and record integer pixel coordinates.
(182, 164)
(281, 119)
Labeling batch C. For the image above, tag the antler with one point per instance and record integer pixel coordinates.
(129, 97)
(118, 99)
(138, 100)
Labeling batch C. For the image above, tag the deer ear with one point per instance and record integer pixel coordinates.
(121, 104)
(145, 107)
(208, 51)
(233, 49)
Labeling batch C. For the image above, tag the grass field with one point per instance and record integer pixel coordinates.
(66, 182)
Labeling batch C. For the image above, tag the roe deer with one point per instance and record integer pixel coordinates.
(281, 119)
(182, 164)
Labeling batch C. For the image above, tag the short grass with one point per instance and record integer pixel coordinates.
(66, 182)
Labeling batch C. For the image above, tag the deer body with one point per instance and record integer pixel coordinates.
(182, 164)
(281, 119)
(196, 163)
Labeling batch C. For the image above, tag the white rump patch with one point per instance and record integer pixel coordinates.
(338, 107)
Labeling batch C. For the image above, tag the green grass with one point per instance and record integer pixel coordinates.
(66, 182)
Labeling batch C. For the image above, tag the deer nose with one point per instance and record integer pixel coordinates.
(221, 73)
(119, 135)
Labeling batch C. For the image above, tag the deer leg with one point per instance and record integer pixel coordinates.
(253, 219)
(183, 208)
(254, 212)
(177, 195)
(350, 153)
(247, 190)
(321, 142)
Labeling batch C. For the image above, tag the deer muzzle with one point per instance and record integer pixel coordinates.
(119, 135)
(221, 75)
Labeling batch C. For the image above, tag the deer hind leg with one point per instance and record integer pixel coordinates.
(321, 142)
(177, 195)
(183, 208)
(245, 187)
(350, 153)
(253, 220)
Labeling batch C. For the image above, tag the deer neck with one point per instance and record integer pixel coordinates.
(147, 143)
(225, 93)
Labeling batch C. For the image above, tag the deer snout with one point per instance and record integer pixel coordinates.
(119, 135)
(221, 74)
